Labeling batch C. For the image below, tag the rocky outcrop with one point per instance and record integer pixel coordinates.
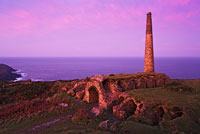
(125, 108)
(155, 114)
(104, 124)
(7, 73)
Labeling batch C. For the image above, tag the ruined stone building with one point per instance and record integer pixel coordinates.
(109, 92)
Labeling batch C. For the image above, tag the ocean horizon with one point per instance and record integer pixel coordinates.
(68, 68)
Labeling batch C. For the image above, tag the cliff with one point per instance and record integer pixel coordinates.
(7, 73)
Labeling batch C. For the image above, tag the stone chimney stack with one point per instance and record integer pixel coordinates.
(149, 56)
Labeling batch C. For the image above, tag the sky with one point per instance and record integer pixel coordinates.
(98, 28)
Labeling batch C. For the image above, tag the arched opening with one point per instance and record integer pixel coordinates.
(121, 85)
(130, 107)
(93, 95)
(106, 85)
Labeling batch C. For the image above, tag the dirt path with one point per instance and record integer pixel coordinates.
(46, 124)
(50, 123)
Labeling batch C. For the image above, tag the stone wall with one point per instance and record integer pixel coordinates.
(109, 89)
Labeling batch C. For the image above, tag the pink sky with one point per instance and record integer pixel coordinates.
(116, 28)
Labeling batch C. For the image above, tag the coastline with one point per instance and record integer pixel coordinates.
(7, 73)
(22, 75)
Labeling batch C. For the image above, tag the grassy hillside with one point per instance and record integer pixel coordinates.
(39, 108)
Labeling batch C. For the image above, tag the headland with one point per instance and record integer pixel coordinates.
(7, 73)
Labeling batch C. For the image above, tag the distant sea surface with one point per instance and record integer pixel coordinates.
(49, 69)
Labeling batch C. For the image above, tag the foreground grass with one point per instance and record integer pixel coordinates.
(14, 126)
(64, 126)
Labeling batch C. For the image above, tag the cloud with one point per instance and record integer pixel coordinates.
(175, 2)
(16, 22)
(49, 16)
(20, 13)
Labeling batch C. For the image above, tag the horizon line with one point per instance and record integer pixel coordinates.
(95, 57)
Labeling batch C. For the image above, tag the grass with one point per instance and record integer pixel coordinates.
(65, 126)
(15, 126)
(131, 127)
(167, 96)
(195, 83)
(134, 75)
(162, 96)
(14, 93)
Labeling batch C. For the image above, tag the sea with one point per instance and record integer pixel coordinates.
(68, 68)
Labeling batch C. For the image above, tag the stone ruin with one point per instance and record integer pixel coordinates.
(108, 92)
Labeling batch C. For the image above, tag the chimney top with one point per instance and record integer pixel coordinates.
(149, 13)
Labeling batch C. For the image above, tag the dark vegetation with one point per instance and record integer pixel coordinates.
(41, 107)
(7, 73)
